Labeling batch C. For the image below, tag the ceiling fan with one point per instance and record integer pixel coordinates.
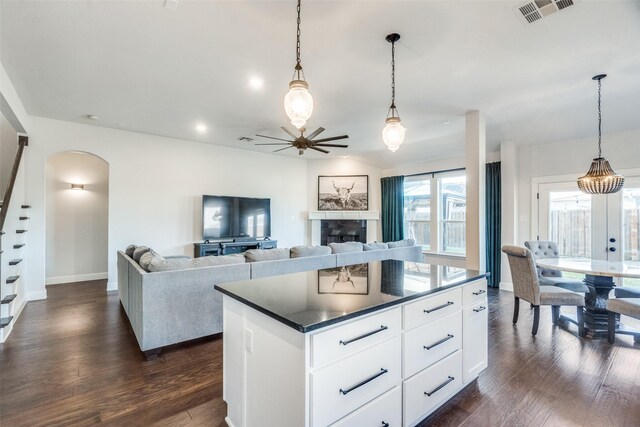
(303, 142)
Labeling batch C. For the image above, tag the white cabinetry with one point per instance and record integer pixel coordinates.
(391, 368)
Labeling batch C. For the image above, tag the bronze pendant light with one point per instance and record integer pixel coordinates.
(601, 179)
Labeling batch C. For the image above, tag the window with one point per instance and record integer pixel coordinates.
(417, 211)
(570, 222)
(437, 223)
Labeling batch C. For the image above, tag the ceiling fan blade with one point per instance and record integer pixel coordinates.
(280, 149)
(333, 138)
(315, 133)
(271, 137)
(275, 143)
(288, 132)
(332, 145)
(318, 149)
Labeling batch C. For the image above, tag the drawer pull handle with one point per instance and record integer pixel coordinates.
(478, 310)
(480, 292)
(440, 386)
(363, 382)
(368, 334)
(437, 343)
(439, 307)
(385, 424)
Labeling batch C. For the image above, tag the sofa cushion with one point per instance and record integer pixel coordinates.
(157, 264)
(305, 251)
(401, 243)
(137, 253)
(147, 257)
(129, 250)
(343, 248)
(374, 246)
(257, 255)
(208, 261)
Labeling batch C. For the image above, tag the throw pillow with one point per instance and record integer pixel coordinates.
(138, 253)
(256, 255)
(147, 257)
(342, 248)
(305, 251)
(129, 250)
(157, 264)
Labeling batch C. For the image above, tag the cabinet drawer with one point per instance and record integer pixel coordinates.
(423, 393)
(343, 387)
(347, 339)
(431, 308)
(474, 292)
(386, 410)
(425, 345)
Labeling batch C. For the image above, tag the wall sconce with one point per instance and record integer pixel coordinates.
(77, 186)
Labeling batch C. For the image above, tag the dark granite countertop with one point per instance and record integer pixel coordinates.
(314, 299)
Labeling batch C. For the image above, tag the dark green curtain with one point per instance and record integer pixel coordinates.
(494, 222)
(392, 208)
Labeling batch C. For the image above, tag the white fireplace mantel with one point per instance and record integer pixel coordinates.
(370, 216)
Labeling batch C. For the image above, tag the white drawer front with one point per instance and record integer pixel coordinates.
(431, 308)
(423, 393)
(347, 339)
(386, 410)
(342, 387)
(425, 345)
(474, 292)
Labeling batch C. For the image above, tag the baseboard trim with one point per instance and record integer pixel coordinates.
(506, 286)
(112, 286)
(228, 421)
(76, 278)
(37, 295)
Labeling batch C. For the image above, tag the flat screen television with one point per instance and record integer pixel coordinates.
(225, 217)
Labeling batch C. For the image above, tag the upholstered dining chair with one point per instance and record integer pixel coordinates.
(626, 306)
(526, 287)
(547, 276)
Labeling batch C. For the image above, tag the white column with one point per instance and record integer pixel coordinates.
(509, 189)
(475, 151)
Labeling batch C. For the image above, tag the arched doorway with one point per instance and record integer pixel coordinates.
(77, 219)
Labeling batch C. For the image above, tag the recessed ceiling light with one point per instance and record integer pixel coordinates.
(446, 122)
(171, 4)
(256, 83)
(92, 117)
(201, 128)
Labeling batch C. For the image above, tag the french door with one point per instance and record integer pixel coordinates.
(602, 227)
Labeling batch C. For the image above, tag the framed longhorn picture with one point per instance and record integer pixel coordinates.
(350, 279)
(343, 193)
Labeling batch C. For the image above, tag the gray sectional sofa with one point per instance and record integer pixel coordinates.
(174, 300)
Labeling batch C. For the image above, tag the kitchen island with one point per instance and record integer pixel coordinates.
(297, 353)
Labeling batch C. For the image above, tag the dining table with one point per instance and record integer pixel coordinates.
(600, 277)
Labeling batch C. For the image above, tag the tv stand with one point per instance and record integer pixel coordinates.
(230, 247)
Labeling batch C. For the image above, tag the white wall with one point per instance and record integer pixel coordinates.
(77, 220)
(343, 167)
(156, 186)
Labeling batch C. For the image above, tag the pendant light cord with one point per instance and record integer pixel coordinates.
(298, 68)
(599, 119)
(393, 75)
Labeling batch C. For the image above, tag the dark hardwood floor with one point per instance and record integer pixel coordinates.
(72, 360)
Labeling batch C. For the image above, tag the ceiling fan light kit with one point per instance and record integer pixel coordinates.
(393, 132)
(601, 179)
(298, 102)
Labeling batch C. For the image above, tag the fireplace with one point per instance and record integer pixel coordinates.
(340, 231)
(367, 226)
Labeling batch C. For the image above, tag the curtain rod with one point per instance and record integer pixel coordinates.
(435, 172)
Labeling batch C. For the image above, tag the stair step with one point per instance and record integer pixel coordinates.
(22, 218)
(21, 231)
(5, 321)
(18, 246)
(8, 299)
(26, 206)
(12, 279)
(15, 261)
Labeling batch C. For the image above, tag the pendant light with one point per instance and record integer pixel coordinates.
(298, 103)
(600, 179)
(393, 132)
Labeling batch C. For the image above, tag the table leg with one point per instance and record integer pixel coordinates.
(595, 317)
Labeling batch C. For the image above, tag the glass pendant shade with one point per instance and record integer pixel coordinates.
(393, 133)
(298, 103)
(600, 179)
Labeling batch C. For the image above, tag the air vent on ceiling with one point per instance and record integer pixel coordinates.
(245, 138)
(538, 9)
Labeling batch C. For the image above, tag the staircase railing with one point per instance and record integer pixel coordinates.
(23, 141)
